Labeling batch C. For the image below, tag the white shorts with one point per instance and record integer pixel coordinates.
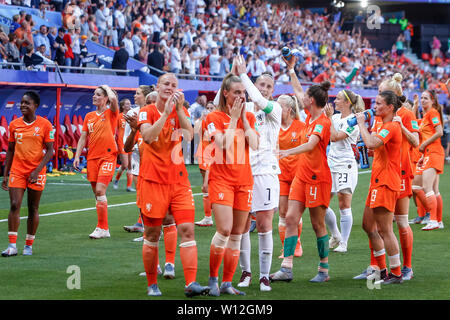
(135, 163)
(266, 192)
(344, 181)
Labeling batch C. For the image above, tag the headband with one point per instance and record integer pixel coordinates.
(345, 93)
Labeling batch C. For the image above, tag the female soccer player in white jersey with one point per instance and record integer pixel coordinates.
(342, 163)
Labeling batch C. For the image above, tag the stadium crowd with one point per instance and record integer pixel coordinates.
(201, 37)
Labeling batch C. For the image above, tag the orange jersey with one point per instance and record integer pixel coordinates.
(312, 166)
(204, 157)
(120, 131)
(101, 130)
(386, 167)
(288, 139)
(231, 167)
(430, 121)
(30, 140)
(162, 160)
(409, 122)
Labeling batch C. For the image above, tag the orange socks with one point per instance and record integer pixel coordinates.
(102, 212)
(12, 237)
(380, 257)
(170, 242)
(150, 258)
(231, 257)
(29, 239)
(140, 220)
(431, 205)
(406, 242)
(215, 260)
(439, 207)
(206, 205)
(188, 255)
(129, 179)
(420, 209)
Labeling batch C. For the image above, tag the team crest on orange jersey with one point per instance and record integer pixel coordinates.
(221, 196)
(148, 206)
(36, 131)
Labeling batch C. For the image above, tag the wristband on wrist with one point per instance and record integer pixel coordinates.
(291, 71)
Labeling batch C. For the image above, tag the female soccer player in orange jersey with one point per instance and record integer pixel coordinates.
(289, 137)
(164, 182)
(124, 107)
(100, 126)
(30, 148)
(230, 180)
(204, 162)
(386, 141)
(431, 164)
(311, 187)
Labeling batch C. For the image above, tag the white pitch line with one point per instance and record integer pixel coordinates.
(85, 209)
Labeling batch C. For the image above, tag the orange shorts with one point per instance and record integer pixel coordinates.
(101, 170)
(238, 197)
(138, 189)
(311, 195)
(405, 188)
(21, 181)
(382, 196)
(432, 160)
(180, 217)
(156, 199)
(285, 187)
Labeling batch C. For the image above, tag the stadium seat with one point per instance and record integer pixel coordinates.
(75, 128)
(72, 142)
(425, 56)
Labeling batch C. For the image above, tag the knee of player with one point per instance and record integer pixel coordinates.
(318, 226)
(15, 206)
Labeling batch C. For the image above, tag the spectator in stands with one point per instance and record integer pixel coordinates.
(51, 35)
(45, 59)
(142, 54)
(120, 59)
(15, 23)
(129, 46)
(158, 25)
(93, 30)
(83, 50)
(41, 38)
(435, 47)
(225, 63)
(156, 60)
(24, 36)
(12, 52)
(120, 20)
(60, 46)
(101, 22)
(58, 4)
(69, 39)
(84, 25)
(198, 107)
(136, 39)
(76, 47)
(175, 57)
(214, 62)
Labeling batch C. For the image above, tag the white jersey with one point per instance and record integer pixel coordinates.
(340, 155)
(132, 112)
(268, 123)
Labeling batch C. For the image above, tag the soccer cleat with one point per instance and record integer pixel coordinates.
(205, 222)
(130, 189)
(334, 242)
(426, 218)
(363, 275)
(139, 239)
(246, 279)
(195, 289)
(252, 226)
(159, 270)
(320, 277)
(99, 233)
(378, 276)
(441, 225)
(416, 220)
(137, 227)
(142, 274)
(284, 274)
(153, 290)
(227, 288)
(390, 279)
(298, 250)
(116, 185)
(27, 250)
(431, 226)
(213, 285)
(342, 247)
(264, 284)
(407, 273)
(169, 271)
(10, 251)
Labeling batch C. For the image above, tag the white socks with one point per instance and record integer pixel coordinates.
(244, 257)
(265, 253)
(346, 223)
(330, 220)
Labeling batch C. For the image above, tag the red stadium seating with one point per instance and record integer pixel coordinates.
(3, 134)
(71, 141)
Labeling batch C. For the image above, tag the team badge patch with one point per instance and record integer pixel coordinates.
(143, 116)
(52, 134)
(435, 120)
(318, 128)
(211, 128)
(384, 133)
(350, 129)
(414, 124)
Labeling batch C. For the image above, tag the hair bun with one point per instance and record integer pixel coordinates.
(402, 99)
(398, 77)
(325, 85)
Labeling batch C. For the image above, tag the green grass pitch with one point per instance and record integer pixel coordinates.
(110, 267)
